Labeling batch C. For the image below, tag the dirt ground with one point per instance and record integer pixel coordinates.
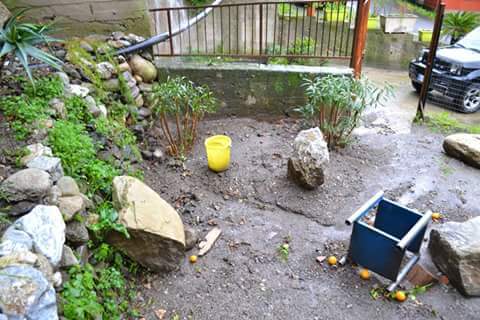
(257, 208)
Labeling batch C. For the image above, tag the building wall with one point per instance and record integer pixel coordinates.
(464, 5)
(82, 17)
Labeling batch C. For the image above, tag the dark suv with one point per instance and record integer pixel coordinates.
(456, 74)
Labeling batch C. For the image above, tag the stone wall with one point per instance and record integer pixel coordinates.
(249, 89)
(83, 17)
(391, 51)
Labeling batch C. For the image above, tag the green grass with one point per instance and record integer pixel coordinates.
(417, 9)
(443, 122)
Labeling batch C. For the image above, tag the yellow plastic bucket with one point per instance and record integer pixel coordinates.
(218, 152)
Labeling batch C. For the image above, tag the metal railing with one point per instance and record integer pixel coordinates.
(322, 29)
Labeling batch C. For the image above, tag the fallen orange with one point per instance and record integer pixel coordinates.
(332, 260)
(193, 259)
(400, 296)
(364, 274)
(436, 216)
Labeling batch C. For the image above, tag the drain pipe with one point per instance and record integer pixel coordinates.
(164, 36)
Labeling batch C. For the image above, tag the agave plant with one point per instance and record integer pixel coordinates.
(20, 40)
(458, 24)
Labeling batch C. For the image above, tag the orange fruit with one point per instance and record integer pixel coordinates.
(193, 259)
(364, 274)
(332, 260)
(400, 296)
(436, 216)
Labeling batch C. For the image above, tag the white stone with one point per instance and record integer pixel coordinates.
(45, 225)
(35, 150)
(52, 165)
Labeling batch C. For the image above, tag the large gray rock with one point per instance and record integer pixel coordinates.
(157, 238)
(14, 240)
(28, 184)
(68, 186)
(35, 150)
(465, 147)
(44, 224)
(52, 165)
(76, 233)
(143, 68)
(106, 70)
(307, 165)
(68, 258)
(69, 206)
(455, 249)
(26, 294)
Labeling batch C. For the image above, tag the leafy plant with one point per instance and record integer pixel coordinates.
(443, 122)
(284, 251)
(303, 46)
(458, 24)
(184, 104)
(20, 39)
(30, 110)
(335, 6)
(335, 104)
(108, 217)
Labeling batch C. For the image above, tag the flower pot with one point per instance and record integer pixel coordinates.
(373, 23)
(398, 23)
(425, 35)
(310, 11)
(335, 15)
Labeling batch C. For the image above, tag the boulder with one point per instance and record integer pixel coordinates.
(14, 240)
(44, 224)
(157, 237)
(64, 78)
(28, 184)
(35, 150)
(191, 237)
(21, 207)
(26, 294)
(76, 233)
(68, 186)
(465, 147)
(69, 206)
(18, 258)
(112, 85)
(106, 70)
(143, 68)
(307, 165)
(53, 195)
(455, 250)
(52, 165)
(76, 90)
(68, 258)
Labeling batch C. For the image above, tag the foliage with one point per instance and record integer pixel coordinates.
(458, 24)
(184, 104)
(335, 6)
(335, 104)
(378, 292)
(284, 251)
(199, 2)
(20, 40)
(72, 144)
(30, 110)
(305, 46)
(443, 122)
(417, 9)
(287, 10)
(107, 221)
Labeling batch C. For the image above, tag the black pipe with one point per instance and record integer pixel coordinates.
(164, 36)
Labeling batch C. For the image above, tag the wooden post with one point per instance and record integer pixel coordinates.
(437, 27)
(360, 37)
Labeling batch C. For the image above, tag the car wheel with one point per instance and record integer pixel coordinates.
(417, 86)
(471, 99)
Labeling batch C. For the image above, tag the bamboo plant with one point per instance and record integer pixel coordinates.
(180, 106)
(335, 104)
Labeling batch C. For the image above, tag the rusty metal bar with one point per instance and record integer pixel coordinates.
(360, 37)
(169, 22)
(440, 11)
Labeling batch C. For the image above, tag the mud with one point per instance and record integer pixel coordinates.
(243, 276)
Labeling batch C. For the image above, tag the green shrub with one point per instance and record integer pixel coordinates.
(335, 104)
(304, 47)
(177, 100)
(20, 40)
(458, 24)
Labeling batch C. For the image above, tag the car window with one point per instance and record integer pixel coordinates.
(471, 40)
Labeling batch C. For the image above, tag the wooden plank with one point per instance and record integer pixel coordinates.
(210, 239)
